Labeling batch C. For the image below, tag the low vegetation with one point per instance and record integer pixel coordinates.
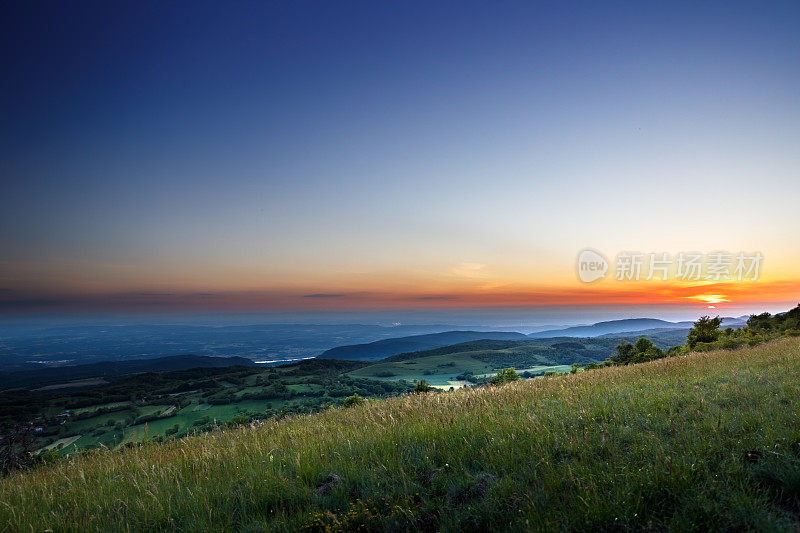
(507, 375)
(169, 405)
(706, 440)
(706, 335)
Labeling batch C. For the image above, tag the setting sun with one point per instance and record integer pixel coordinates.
(710, 298)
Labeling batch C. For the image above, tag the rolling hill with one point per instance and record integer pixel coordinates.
(374, 351)
(704, 441)
(662, 337)
(442, 366)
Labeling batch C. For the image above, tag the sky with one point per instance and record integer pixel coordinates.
(373, 157)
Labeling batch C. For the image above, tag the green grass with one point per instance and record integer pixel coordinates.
(536, 370)
(441, 365)
(77, 426)
(153, 409)
(227, 394)
(701, 441)
(114, 405)
(416, 368)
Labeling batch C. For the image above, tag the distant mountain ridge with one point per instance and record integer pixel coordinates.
(626, 325)
(31, 347)
(374, 351)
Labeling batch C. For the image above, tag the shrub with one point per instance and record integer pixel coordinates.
(16, 448)
(238, 420)
(644, 350)
(467, 376)
(731, 343)
(505, 376)
(353, 400)
(674, 350)
(49, 456)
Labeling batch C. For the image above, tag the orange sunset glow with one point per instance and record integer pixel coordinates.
(399, 265)
(401, 183)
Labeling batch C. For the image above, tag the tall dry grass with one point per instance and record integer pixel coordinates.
(701, 441)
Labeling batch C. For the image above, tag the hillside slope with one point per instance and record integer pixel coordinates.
(374, 351)
(703, 441)
(441, 366)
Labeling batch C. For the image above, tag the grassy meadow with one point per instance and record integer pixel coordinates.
(693, 442)
(447, 366)
(173, 404)
(163, 405)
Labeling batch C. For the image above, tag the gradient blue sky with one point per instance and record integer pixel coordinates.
(387, 154)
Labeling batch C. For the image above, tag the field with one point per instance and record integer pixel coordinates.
(443, 371)
(441, 367)
(693, 442)
(166, 405)
(73, 384)
(187, 394)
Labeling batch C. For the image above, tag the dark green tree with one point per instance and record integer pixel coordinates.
(505, 376)
(643, 345)
(623, 353)
(706, 329)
